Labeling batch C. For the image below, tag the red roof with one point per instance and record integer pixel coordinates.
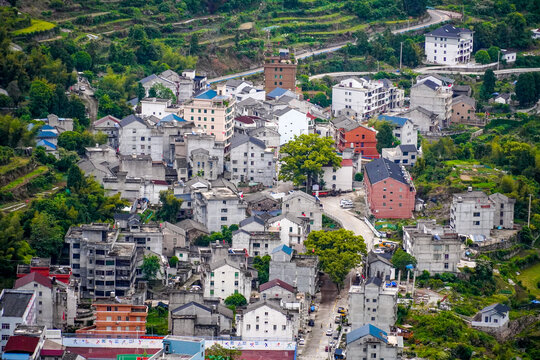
(346, 162)
(33, 277)
(246, 119)
(22, 344)
(160, 182)
(312, 117)
(276, 282)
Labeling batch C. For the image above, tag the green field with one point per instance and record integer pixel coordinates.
(37, 25)
(530, 277)
(14, 164)
(40, 170)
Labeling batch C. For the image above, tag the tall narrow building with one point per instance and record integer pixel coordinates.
(280, 72)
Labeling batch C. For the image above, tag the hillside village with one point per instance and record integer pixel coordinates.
(282, 212)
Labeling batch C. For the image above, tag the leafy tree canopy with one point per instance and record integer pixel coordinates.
(236, 300)
(304, 158)
(262, 265)
(401, 259)
(151, 267)
(218, 352)
(170, 206)
(338, 251)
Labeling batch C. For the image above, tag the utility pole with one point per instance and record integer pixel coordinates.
(529, 216)
(400, 54)
(377, 65)
(498, 57)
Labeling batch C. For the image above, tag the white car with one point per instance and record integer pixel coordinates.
(346, 203)
(83, 88)
(301, 341)
(329, 332)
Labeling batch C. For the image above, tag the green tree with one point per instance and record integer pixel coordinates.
(526, 89)
(194, 44)
(414, 8)
(401, 259)
(411, 53)
(304, 157)
(141, 92)
(493, 52)
(75, 178)
(46, 236)
(151, 267)
(218, 352)
(262, 265)
(41, 93)
(160, 91)
(170, 206)
(13, 248)
(488, 86)
(75, 141)
(236, 300)
(321, 99)
(13, 132)
(482, 57)
(173, 261)
(385, 137)
(338, 251)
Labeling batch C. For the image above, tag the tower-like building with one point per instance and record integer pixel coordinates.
(280, 72)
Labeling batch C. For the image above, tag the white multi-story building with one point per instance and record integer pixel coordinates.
(218, 207)
(370, 342)
(373, 302)
(362, 98)
(291, 123)
(435, 95)
(251, 161)
(404, 129)
(16, 307)
(138, 137)
(449, 45)
(303, 205)
(226, 278)
(265, 320)
(212, 111)
(340, 179)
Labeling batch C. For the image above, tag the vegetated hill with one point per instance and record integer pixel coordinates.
(226, 35)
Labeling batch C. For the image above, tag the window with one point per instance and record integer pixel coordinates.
(476, 223)
(212, 274)
(5, 337)
(476, 214)
(236, 277)
(283, 327)
(257, 327)
(446, 265)
(5, 326)
(223, 218)
(248, 327)
(275, 327)
(211, 292)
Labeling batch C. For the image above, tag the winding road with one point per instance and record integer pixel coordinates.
(435, 17)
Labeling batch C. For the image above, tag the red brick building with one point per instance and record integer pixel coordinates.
(279, 71)
(390, 190)
(350, 133)
(114, 318)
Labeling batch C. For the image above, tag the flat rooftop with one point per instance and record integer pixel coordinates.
(219, 194)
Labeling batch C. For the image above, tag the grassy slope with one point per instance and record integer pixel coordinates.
(530, 277)
(37, 25)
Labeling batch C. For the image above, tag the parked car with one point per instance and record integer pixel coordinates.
(301, 341)
(83, 88)
(341, 310)
(311, 322)
(329, 332)
(332, 343)
(346, 203)
(335, 336)
(337, 319)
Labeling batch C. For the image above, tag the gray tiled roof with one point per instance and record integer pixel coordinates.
(381, 169)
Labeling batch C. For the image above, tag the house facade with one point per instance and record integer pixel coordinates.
(464, 112)
(373, 302)
(302, 205)
(494, 316)
(437, 249)
(390, 191)
(449, 45)
(340, 179)
(405, 155)
(362, 98)
(114, 318)
(264, 320)
(291, 123)
(404, 129)
(433, 94)
(250, 161)
(17, 307)
(370, 342)
(226, 278)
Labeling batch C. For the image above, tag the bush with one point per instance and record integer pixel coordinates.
(358, 177)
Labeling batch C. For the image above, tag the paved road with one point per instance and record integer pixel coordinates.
(349, 220)
(436, 17)
(317, 339)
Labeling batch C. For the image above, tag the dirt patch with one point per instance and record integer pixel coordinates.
(465, 177)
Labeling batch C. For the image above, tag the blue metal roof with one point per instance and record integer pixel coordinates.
(287, 250)
(366, 330)
(47, 127)
(207, 95)
(276, 92)
(46, 134)
(399, 121)
(171, 118)
(46, 143)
